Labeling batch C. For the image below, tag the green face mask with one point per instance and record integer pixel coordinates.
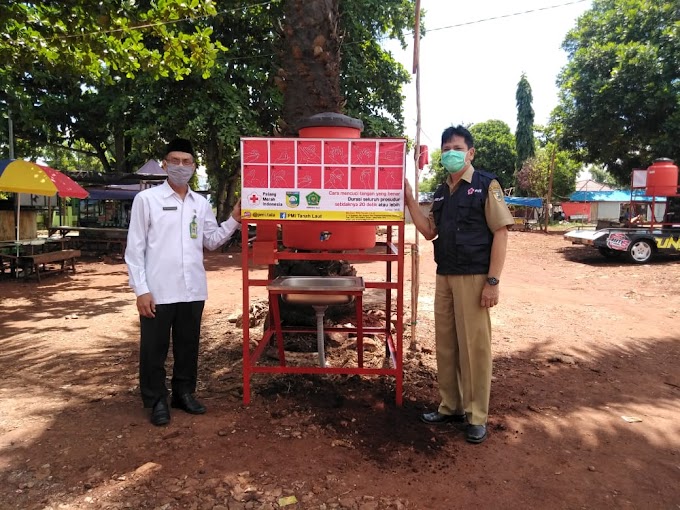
(453, 161)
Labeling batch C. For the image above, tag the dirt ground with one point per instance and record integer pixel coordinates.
(585, 409)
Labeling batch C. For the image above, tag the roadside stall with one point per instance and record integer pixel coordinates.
(526, 211)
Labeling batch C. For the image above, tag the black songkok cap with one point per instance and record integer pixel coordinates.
(179, 145)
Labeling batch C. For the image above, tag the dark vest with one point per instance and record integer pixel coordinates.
(463, 244)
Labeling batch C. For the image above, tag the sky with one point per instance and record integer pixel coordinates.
(469, 73)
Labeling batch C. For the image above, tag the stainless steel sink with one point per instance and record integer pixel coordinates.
(320, 293)
(317, 290)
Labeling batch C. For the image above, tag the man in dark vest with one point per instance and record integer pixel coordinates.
(469, 219)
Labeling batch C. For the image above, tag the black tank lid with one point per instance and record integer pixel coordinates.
(331, 119)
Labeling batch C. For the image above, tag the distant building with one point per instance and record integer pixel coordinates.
(611, 205)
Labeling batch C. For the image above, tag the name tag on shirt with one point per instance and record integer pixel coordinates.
(172, 208)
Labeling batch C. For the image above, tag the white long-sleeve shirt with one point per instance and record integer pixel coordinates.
(161, 255)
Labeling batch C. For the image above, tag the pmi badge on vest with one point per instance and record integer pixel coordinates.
(292, 198)
(497, 193)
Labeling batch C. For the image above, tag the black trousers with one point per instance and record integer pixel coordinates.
(184, 321)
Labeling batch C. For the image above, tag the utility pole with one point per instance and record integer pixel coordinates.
(17, 196)
(415, 247)
(550, 186)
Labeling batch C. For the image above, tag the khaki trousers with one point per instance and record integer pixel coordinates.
(463, 340)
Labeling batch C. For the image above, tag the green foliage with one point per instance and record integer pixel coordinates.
(495, 149)
(534, 177)
(371, 79)
(524, 135)
(72, 159)
(620, 91)
(494, 152)
(124, 122)
(119, 96)
(109, 38)
(602, 176)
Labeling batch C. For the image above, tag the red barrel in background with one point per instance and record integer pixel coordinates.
(330, 125)
(423, 157)
(662, 178)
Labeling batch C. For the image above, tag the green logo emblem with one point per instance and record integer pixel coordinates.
(313, 198)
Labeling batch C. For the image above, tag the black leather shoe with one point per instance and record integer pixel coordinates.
(475, 434)
(437, 417)
(186, 402)
(160, 414)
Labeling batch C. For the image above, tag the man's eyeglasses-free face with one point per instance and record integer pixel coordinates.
(178, 161)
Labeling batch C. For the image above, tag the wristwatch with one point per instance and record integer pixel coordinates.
(492, 280)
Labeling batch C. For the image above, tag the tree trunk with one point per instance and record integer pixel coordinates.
(232, 186)
(119, 146)
(310, 81)
(213, 163)
(310, 77)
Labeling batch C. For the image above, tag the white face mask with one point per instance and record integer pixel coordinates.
(179, 174)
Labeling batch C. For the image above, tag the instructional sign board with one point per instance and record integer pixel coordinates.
(359, 179)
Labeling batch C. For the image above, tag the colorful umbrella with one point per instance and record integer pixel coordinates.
(19, 176)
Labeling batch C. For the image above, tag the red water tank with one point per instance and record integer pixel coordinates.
(328, 235)
(662, 178)
(330, 125)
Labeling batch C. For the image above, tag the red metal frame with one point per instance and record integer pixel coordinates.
(386, 251)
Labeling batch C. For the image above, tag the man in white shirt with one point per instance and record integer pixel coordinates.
(169, 227)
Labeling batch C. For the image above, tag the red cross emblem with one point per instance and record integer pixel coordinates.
(254, 198)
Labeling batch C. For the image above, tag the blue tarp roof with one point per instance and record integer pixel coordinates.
(426, 197)
(524, 201)
(612, 196)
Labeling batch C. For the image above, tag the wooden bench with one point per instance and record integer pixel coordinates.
(36, 263)
(8, 263)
